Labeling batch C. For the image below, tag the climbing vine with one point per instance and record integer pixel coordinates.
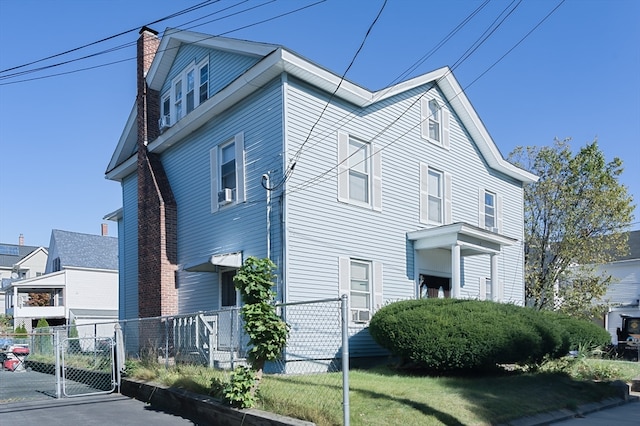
(266, 330)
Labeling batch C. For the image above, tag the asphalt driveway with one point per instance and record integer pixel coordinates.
(98, 410)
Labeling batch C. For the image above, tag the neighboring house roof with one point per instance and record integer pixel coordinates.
(10, 254)
(276, 60)
(85, 250)
(634, 247)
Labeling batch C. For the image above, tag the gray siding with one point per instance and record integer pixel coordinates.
(224, 67)
(233, 228)
(321, 229)
(128, 249)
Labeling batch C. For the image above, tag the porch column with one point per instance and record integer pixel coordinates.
(494, 278)
(455, 271)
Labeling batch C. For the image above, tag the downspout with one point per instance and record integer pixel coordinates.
(267, 184)
(283, 204)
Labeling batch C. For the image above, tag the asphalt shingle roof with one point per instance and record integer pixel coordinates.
(85, 250)
(8, 260)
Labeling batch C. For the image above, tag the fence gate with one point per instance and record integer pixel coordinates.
(87, 366)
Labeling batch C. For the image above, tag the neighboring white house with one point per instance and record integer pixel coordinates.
(80, 283)
(623, 295)
(18, 262)
(240, 149)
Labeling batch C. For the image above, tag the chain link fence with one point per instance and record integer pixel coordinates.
(48, 363)
(313, 363)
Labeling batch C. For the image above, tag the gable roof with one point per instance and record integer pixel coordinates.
(85, 250)
(10, 254)
(275, 61)
(634, 247)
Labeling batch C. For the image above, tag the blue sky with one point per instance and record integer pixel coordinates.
(577, 75)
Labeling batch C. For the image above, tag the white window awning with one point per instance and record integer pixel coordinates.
(214, 262)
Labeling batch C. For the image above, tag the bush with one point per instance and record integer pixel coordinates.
(583, 334)
(462, 335)
(20, 332)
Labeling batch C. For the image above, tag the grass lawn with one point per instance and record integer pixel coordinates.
(382, 396)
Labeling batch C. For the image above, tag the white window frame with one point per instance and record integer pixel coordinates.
(347, 169)
(441, 118)
(165, 106)
(215, 158)
(426, 194)
(375, 301)
(180, 108)
(482, 210)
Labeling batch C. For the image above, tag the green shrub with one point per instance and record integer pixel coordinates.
(454, 335)
(20, 332)
(583, 333)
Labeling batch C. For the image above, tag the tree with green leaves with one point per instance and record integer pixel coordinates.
(576, 217)
(266, 330)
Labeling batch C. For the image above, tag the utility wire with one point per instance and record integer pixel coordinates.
(487, 33)
(173, 15)
(403, 75)
(202, 39)
(322, 176)
(122, 46)
(296, 156)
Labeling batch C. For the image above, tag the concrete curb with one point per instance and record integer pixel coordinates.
(544, 419)
(202, 408)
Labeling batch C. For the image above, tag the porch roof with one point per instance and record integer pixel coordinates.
(471, 239)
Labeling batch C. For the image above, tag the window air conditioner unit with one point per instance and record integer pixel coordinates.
(164, 123)
(360, 316)
(225, 196)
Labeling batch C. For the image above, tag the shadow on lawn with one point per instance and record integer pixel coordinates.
(425, 409)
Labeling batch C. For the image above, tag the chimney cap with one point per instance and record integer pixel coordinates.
(147, 29)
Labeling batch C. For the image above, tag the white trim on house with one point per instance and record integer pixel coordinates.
(278, 60)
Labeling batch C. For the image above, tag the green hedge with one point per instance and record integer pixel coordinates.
(453, 335)
(582, 334)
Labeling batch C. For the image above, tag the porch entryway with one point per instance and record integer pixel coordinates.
(444, 246)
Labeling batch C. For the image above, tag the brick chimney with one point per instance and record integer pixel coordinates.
(104, 229)
(157, 211)
(21, 240)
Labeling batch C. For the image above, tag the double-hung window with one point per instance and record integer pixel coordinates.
(360, 290)
(434, 123)
(165, 113)
(227, 172)
(188, 90)
(490, 210)
(203, 90)
(228, 168)
(435, 196)
(435, 192)
(177, 99)
(359, 172)
(361, 280)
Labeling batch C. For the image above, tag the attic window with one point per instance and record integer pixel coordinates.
(188, 90)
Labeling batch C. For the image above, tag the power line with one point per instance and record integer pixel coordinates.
(485, 35)
(407, 72)
(296, 156)
(322, 176)
(202, 39)
(173, 15)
